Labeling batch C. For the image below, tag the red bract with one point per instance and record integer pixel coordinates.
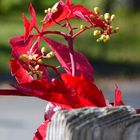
(62, 53)
(79, 94)
(29, 25)
(85, 88)
(25, 54)
(41, 131)
(65, 11)
(20, 46)
(19, 72)
(118, 97)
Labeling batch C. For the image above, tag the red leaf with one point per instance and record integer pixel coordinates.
(85, 88)
(83, 13)
(62, 53)
(53, 92)
(29, 25)
(20, 46)
(19, 72)
(118, 97)
(60, 15)
(41, 131)
(67, 11)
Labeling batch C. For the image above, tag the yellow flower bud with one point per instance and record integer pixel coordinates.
(43, 50)
(54, 10)
(101, 17)
(23, 58)
(82, 27)
(106, 16)
(103, 37)
(91, 16)
(97, 10)
(112, 17)
(96, 32)
(40, 62)
(50, 54)
(45, 11)
(107, 38)
(99, 40)
(49, 9)
(117, 29)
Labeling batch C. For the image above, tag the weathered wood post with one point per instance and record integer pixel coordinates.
(108, 123)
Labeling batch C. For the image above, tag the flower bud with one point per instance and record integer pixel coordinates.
(117, 29)
(107, 38)
(23, 58)
(112, 17)
(49, 9)
(96, 10)
(36, 67)
(103, 37)
(50, 54)
(40, 62)
(91, 16)
(101, 17)
(82, 27)
(45, 11)
(54, 10)
(31, 68)
(99, 40)
(96, 32)
(35, 76)
(43, 50)
(106, 16)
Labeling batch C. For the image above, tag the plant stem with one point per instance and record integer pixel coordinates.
(72, 57)
(81, 31)
(6, 92)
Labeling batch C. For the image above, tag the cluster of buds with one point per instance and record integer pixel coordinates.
(54, 9)
(34, 61)
(45, 54)
(108, 29)
(35, 72)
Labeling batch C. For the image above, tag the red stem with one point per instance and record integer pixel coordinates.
(54, 68)
(81, 31)
(69, 28)
(71, 53)
(54, 32)
(6, 92)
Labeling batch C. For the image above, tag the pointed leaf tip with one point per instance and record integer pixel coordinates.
(118, 101)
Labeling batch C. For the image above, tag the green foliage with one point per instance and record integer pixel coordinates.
(123, 47)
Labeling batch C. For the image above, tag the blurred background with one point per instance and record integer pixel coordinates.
(116, 62)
